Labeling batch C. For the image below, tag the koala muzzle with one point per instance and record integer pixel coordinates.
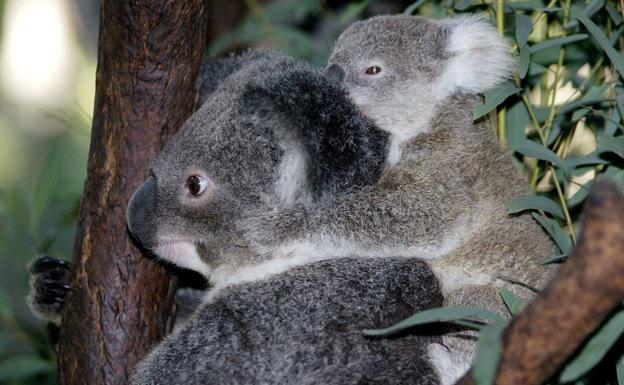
(139, 214)
(335, 72)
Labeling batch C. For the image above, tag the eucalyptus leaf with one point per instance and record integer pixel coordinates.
(557, 42)
(446, 314)
(563, 241)
(489, 347)
(353, 10)
(5, 304)
(534, 202)
(579, 197)
(413, 7)
(613, 144)
(462, 5)
(526, 5)
(525, 62)
(595, 349)
(19, 368)
(619, 369)
(494, 97)
(514, 303)
(616, 58)
(524, 26)
(554, 259)
(614, 14)
(517, 120)
(536, 150)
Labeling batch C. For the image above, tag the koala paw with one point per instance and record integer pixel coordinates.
(49, 284)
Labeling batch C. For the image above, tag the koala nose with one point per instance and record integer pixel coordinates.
(335, 72)
(139, 214)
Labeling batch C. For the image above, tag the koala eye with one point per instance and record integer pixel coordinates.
(374, 70)
(196, 185)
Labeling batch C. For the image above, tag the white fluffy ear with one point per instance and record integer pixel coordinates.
(480, 57)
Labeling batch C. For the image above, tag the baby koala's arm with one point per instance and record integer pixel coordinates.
(415, 210)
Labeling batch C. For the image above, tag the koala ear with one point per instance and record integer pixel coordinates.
(480, 57)
(325, 139)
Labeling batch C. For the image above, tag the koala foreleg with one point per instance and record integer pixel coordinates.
(49, 284)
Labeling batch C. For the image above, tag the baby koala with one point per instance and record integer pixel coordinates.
(444, 192)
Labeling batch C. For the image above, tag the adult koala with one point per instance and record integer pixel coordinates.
(276, 134)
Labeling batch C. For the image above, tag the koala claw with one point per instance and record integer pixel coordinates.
(49, 284)
(45, 264)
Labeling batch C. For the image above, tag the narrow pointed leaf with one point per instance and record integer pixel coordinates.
(524, 26)
(613, 144)
(554, 259)
(514, 303)
(446, 314)
(525, 61)
(494, 97)
(563, 241)
(489, 347)
(558, 42)
(535, 150)
(616, 58)
(595, 349)
(534, 202)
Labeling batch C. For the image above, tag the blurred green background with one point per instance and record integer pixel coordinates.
(561, 116)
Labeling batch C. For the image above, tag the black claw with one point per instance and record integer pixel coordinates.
(52, 300)
(46, 263)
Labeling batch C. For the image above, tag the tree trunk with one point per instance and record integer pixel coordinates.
(121, 305)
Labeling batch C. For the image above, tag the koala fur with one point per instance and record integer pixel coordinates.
(447, 173)
(268, 320)
(304, 326)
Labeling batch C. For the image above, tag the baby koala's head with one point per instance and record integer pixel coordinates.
(398, 68)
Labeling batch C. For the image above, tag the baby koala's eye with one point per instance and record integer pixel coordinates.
(374, 70)
(196, 185)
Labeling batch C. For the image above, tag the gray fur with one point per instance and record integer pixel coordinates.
(304, 326)
(449, 176)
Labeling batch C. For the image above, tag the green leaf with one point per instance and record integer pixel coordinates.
(558, 42)
(553, 259)
(517, 120)
(526, 5)
(613, 144)
(595, 349)
(589, 159)
(534, 202)
(444, 314)
(535, 150)
(489, 347)
(614, 14)
(524, 26)
(462, 5)
(494, 97)
(563, 241)
(514, 303)
(23, 367)
(616, 58)
(413, 7)
(619, 368)
(353, 10)
(578, 197)
(525, 61)
(5, 304)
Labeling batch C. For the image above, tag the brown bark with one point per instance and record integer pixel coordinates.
(121, 304)
(583, 293)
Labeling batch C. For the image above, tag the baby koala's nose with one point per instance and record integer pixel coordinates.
(335, 72)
